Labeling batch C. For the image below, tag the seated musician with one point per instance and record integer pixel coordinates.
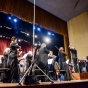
(28, 58)
(4, 76)
(5, 57)
(30, 78)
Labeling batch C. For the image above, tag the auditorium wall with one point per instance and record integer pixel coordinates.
(78, 33)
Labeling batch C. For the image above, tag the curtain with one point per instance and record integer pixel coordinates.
(5, 43)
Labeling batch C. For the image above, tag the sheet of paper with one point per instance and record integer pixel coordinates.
(50, 61)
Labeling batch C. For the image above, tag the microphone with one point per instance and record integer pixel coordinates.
(56, 47)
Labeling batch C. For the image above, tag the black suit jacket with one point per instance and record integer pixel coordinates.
(73, 52)
(43, 57)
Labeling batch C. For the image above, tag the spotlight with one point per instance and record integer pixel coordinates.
(47, 40)
(15, 20)
(3, 36)
(38, 29)
(36, 44)
(9, 18)
(49, 33)
(19, 40)
(0, 26)
(36, 36)
(0, 35)
(53, 34)
(27, 34)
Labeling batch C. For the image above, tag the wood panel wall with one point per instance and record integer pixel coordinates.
(78, 34)
(24, 10)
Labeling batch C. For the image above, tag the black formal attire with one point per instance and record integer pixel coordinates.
(30, 78)
(4, 60)
(43, 61)
(13, 62)
(62, 57)
(64, 66)
(5, 75)
(74, 58)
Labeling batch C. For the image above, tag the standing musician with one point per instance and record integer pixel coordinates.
(51, 60)
(74, 57)
(62, 57)
(63, 65)
(43, 58)
(13, 62)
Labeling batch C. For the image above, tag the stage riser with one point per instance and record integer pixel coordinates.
(70, 85)
(80, 76)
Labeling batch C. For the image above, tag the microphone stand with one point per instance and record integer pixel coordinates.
(33, 63)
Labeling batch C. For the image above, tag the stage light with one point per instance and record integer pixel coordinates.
(3, 36)
(0, 26)
(19, 40)
(49, 33)
(9, 18)
(0, 35)
(36, 36)
(27, 34)
(38, 29)
(36, 44)
(15, 20)
(47, 39)
(53, 34)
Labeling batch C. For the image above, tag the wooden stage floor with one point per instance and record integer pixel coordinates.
(56, 84)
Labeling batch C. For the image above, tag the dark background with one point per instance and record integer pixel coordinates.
(23, 26)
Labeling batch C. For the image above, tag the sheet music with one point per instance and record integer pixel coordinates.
(50, 61)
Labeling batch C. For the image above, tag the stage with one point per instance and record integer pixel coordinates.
(56, 84)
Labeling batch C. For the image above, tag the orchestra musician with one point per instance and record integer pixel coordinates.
(63, 66)
(74, 57)
(30, 78)
(13, 61)
(5, 75)
(43, 58)
(62, 57)
(51, 60)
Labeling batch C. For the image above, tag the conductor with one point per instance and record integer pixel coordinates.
(43, 59)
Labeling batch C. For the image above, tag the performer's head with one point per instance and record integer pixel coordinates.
(30, 53)
(61, 49)
(14, 39)
(50, 52)
(43, 45)
(7, 50)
